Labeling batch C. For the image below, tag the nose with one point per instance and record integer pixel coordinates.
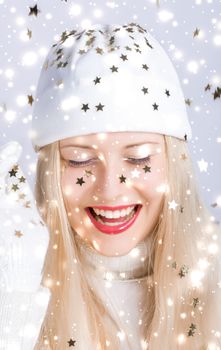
(109, 184)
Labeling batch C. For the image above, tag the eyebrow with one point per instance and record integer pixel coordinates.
(129, 146)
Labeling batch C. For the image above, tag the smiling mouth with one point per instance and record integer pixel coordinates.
(113, 221)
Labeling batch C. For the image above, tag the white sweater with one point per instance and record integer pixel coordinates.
(122, 283)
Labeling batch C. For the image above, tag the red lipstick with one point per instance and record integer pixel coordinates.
(123, 226)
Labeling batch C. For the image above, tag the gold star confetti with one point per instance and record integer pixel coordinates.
(183, 271)
(13, 172)
(122, 179)
(174, 265)
(29, 33)
(207, 87)
(99, 107)
(195, 302)
(99, 50)
(15, 187)
(97, 80)
(124, 57)
(30, 99)
(81, 52)
(80, 181)
(71, 342)
(147, 169)
(88, 173)
(34, 11)
(18, 234)
(145, 67)
(22, 179)
(183, 156)
(181, 209)
(192, 330)
(85, 107)
(114, 69)
(155, 107)
(188, 101)
(145, 90)
(196, 32)
(217, 93)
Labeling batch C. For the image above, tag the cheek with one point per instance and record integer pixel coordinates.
(73, 185)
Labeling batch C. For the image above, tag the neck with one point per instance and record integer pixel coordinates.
(133, 265)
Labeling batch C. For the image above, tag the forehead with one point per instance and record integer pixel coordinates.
(124, 139)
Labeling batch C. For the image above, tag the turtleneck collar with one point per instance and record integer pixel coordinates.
(131, 266)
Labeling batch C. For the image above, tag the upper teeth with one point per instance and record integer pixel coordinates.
(114, 214)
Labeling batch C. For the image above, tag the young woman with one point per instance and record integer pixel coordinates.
(133, 258)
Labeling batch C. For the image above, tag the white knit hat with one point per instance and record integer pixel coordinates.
(109, 78)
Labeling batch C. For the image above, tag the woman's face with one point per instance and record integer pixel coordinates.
(113, 185)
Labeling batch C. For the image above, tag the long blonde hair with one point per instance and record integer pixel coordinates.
(186, 268)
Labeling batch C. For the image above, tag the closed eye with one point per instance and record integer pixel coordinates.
(75, 163)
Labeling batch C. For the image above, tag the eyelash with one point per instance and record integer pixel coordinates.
(73, 163)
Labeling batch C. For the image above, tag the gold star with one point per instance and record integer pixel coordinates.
(30, 99)
(15, 187)
(145, 67)
(217, 93)
(29, 33)
(90, 41)
(145, 90)
(208, 87)
(188, 101)
(196, 32)
(100, 107)
(183, 156)
(80, 181)
(71, 342)
(22, 179)
(13, 172)
(124, 57)
(147, 169)
(18, 233)
(81, 52)
(97, 80)
(192, 330)
(195, 302)
(122, 179)
(34, 11)
(183, 271)
(99, 50)
(85, 107)
(155, 107)
(88, 173)
(114, 69)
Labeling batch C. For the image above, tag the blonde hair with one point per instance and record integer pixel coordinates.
(186, 268)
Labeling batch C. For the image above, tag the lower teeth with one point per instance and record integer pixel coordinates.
(115, 223)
